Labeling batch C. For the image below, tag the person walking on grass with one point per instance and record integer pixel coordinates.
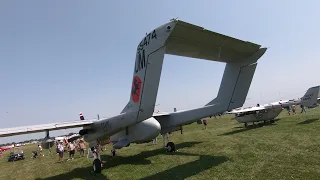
(303, 109)
(71, 148)
(82, 146)
(293, 107)
(205, 123)
(60, 149)
(40, 150)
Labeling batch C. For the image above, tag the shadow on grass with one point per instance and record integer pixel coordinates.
(308, 121)
(82, 173)
(190, 169)
(249, 127)
(141, 158)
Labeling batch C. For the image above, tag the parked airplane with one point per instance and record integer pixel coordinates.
(137, 123)
(269, 112)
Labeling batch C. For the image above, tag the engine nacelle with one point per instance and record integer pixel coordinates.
(142, 132)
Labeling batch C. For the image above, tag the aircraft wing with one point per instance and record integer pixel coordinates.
(248, 110)
(43, 127)
(160, 114)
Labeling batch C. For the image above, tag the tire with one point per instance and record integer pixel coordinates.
(171, 147)
(97, 166)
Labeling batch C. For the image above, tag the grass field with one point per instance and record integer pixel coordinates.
(288, 149)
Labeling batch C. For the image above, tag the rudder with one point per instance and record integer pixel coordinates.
(311, 96)
(236, 81)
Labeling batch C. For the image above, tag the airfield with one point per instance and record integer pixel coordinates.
(288, 149)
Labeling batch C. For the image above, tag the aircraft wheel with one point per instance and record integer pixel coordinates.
(245, 124)
(171, 147)
(97, 166)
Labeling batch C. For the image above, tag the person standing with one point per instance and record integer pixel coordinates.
(71, 148)
(155, 141)
(60, 151)
(205, 123)
(293, 107)
(40, 150)
(288, 109)
(303, 109)
(82, 147)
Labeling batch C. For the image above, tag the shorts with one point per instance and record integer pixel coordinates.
(71, 152)
(81, 150)
(61, 154)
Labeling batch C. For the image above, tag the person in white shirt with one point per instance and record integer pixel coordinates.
(60, 149)
(71, 147)
(40, 150)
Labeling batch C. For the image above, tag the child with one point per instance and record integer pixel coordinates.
(293, 107)
(40, 150)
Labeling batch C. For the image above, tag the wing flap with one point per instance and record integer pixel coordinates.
(44, 127)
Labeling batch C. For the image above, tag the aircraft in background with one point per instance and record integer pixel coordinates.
(269, 112)
(315, 104)
(137, 122)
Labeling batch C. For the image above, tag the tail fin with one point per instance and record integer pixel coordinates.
(146, 75)
(236, 82)
(188, 40)
(311, 96)
(81, 116)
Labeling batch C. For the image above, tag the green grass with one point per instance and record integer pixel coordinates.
(288, 149)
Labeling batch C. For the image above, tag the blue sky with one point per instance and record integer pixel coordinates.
(59, 58)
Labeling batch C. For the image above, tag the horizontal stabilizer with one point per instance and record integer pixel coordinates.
(196, 42)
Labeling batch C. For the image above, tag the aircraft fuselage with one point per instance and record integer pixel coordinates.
(257, 116)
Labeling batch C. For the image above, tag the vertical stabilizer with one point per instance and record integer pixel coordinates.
(147, 72)
(311, 96)
(236, 82)
(184, 39)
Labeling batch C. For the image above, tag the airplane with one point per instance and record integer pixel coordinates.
(315, 104)
(137, 122)
(269, 112)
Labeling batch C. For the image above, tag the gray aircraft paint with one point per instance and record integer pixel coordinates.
(181, 39)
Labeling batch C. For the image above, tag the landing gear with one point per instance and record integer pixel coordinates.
(171, 147)
(245, 124)
(97, 166)
(272, 121)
